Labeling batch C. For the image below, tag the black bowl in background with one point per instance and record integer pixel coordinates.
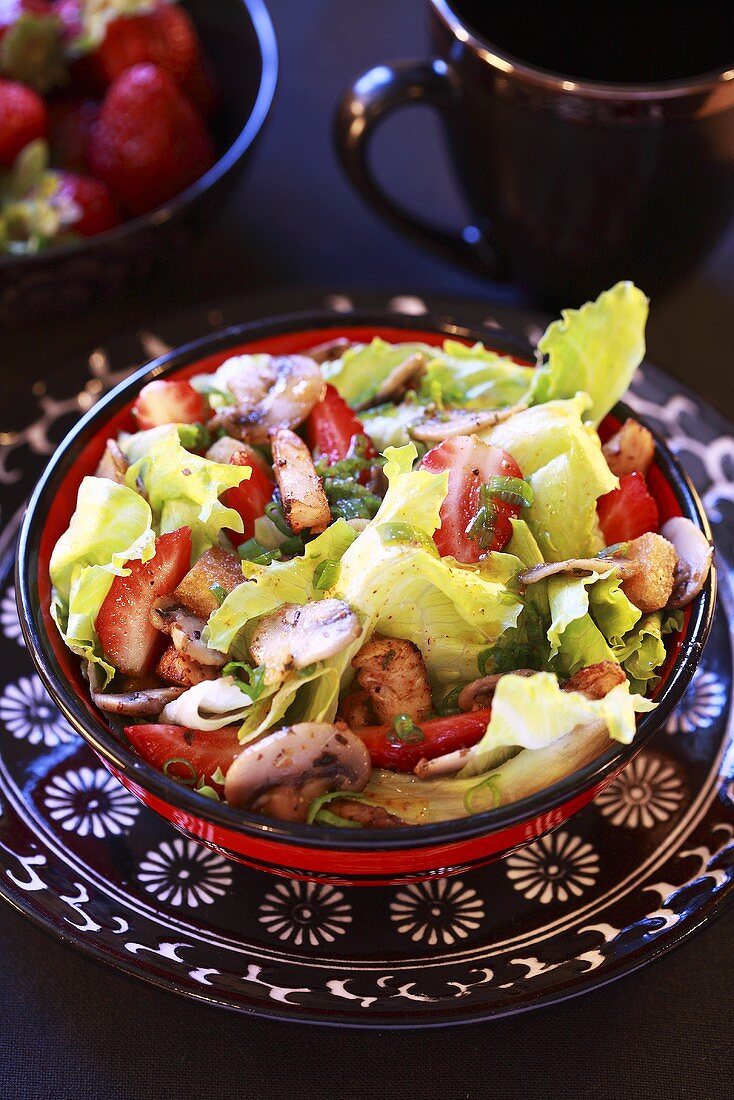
(239, 43)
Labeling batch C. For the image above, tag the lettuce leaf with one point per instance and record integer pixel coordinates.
(269, 586)
(183, 490)
(524, 645)
(594, 350)
(363, 368)
(474, 377)
(642, 650)
(562, 459)
(138, 444)
(111, 525)
(389, 425)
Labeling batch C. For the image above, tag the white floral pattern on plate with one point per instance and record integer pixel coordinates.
(438, 911)
(700, 706)
(9, 621)
(649, 791)
(28, 713)
(181, 872)
(305, 913)
(90, 801)
(553, 868)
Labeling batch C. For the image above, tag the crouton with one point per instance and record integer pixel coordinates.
(301, 490)
(596, 681)
(215, 567)
(392, 672)
(651, 588)
(174, 668)
(630, 450)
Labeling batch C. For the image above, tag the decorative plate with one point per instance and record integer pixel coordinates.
(622, 882)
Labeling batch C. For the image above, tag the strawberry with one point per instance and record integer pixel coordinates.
(70, 124)
(165, 37)
(166, 747)
(128, 638)
(248, 498)
(31, 49)
(627, 512)
(168, 402)
(23, 118)
(150, 142)
(94, 200)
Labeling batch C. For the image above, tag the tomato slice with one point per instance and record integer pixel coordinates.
(440, 736)
(332, 426)
(169, 402)
(470, 463)
(250, 497)
(629, 511)
(128, 638)
(190, 754)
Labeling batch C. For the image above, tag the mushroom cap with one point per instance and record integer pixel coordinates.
(298, 635)
(294, 755)
(695, 554)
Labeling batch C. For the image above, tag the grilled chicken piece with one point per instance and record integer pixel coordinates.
(356, 711)
(630, 450)
(175, 668)
(596, 681)
(369, 817)
(392, 672)
(274, 391)
(214, 567)
(305, 506)
(652, 586)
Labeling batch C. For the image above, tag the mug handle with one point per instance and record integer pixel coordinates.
(370, 99)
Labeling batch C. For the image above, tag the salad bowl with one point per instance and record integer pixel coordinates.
(354, 856)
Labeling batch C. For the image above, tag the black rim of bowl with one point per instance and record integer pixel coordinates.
(265, 34)
(123, 757)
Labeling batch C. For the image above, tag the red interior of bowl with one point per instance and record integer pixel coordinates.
(86, 463)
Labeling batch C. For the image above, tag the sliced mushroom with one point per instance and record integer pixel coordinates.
(479, 693)
(651, 586)
(185, 629)
(301, 490)
(297, 635)
(462, 422)
(393, 673)
(578, 567)
(282, 774)
(277, 392)
(136, 704)
(113, 465)
(630, 450)
(695, 555)
(596, 681)
(329, 350)
(397, 380)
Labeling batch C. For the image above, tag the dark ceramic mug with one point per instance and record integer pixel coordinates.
(573, 182)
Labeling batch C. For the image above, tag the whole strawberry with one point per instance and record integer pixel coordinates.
(95, 208)
(150, 142)
(23, 118)
(164, 36)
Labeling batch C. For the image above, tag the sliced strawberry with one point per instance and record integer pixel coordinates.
(202, 750)
(471, 463)
(23, 118)
(93, 199)
(129, 640)
(629, 511)
(168, 402)
(250, 497)
(332, 426)
(150, 141)
(439, 737)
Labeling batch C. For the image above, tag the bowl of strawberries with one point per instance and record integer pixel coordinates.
(120, 121)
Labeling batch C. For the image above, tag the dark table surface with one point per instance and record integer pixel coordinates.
(69, 1028)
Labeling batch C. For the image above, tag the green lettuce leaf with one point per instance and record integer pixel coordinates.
(269, 586)
(363, 368)
(642, 650)
(474, 377)
(138, 444)
(526, 644)
(389, 425)
(111, 525)
(183, 490)
(562, 459)
(594, 350)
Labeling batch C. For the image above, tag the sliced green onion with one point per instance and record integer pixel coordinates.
(219, 593)
(316, 808)
(512, 490)
(408, 534)
(187, 781)
(449, 705)
(483, 796)
(326, 574)
(404, 731)
(482, 528)
(219, 777)
(207, 791)
(254, 682)
(326, 817)
(274, 512)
